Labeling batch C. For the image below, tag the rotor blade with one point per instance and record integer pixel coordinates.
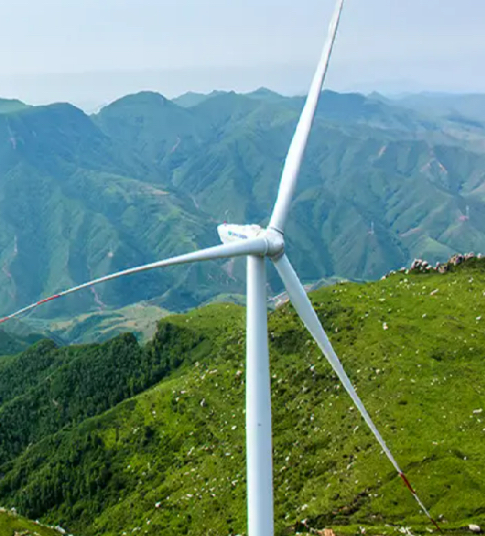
(251, 246)
(299, 141)
(305, 310)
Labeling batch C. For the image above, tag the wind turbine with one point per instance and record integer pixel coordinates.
(257, 244)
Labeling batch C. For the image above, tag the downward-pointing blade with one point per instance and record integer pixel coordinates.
(300, 138)
(252, 246)
(305, 310)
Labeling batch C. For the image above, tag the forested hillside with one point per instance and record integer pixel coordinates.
(119, 437)
(147, 178)
(12, 344)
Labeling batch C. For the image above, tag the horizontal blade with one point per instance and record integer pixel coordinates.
(251, 246)
(300, 138)
(305, 310)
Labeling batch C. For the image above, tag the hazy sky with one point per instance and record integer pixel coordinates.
(91, 51)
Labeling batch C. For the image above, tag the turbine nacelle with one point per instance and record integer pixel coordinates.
(230, 233)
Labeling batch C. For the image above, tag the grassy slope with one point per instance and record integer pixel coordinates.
(181, 443)
(13, 525)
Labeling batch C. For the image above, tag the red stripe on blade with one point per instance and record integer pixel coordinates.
(436, 525)
(49, 299)
(410, 488)
(408, 484)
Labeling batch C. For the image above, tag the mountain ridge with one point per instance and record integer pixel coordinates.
(145, 179)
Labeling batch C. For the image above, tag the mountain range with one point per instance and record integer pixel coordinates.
(383, 181)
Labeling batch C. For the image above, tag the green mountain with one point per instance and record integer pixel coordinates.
(192, 98)
(11, 343)
(148, 178)
(71, 209)
(264, 93)
(460, 106)
(10, 105)
(118, 437)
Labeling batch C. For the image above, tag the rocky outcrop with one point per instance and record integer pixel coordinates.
(422, 266)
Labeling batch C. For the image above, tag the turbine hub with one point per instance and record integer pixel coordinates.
(276, 243)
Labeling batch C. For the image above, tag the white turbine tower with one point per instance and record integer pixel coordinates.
(257, 244)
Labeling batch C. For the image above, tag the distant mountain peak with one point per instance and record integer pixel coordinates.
(143, 97)
(11, 105)
(192, 98)
(217, 92)
(264, 93)
(375, 95)
(11, 101)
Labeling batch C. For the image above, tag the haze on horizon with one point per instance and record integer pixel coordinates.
(92, 52)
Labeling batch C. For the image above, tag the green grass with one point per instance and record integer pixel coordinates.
(15, 525)
(181, 442)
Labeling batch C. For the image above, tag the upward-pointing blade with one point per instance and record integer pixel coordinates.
(251, 246)
(305, 310)
(299, 141)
